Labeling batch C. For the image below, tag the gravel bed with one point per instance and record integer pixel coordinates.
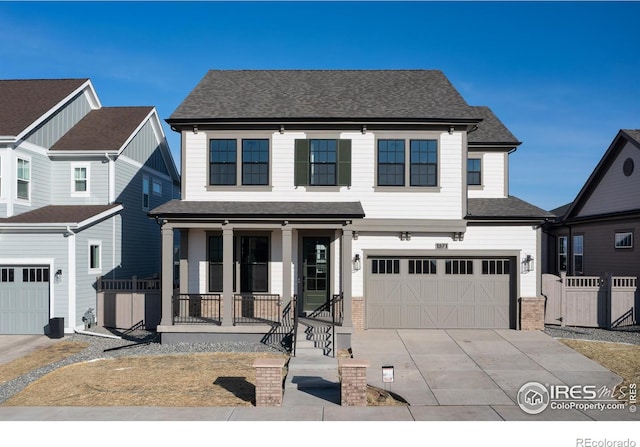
(627, 334)
(134, 343)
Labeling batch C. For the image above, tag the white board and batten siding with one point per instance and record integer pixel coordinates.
(442, 202)
(616, 191)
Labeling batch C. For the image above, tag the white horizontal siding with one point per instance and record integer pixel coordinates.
(442, 203)
(494, 171)
(616, 192)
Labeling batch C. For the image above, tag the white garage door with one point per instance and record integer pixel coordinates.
(24, 299)
(430, 292)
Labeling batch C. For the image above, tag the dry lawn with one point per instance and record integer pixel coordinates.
(622, 359)
(38, 359)
(185, 380)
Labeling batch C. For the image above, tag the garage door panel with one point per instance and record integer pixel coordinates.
(460, 293)
(24, 299)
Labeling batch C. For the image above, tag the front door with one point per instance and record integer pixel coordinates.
(315, 281)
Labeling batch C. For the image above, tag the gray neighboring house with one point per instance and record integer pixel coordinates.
(595, 234)
(76, 183)
(371, 198)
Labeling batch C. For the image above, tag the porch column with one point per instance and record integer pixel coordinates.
(227, 277)
(167, 275)
(286, 266)
(347, 237)
(184, 261)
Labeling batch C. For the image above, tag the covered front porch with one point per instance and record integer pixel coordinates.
(248, 270)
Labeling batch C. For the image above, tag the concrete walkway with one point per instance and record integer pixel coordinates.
(452, 375)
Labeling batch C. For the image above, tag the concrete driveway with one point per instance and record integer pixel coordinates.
(16, 346)
(477, 373)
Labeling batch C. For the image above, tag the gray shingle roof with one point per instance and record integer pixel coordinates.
(504, 208)
(22, 101)
(290, 210)
(491, 129)
(633, 133)
(323, 94)
(105, 129)
(56, 214)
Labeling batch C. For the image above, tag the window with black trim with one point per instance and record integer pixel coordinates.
(562, 253)
(424, 163)
(474, 171)
(458, 267)
(215, 263)
(7, 275)
(624, 239)
(255, 162)
(391, 156)
(385, 266)
(495, 266)
(422, 267)
(222, 162)
(254, 264)
(578, 254)
(322, 162)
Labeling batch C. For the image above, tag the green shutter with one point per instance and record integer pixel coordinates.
(301, 175)
(344, 162)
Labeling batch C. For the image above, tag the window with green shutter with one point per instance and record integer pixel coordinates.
(322, 162)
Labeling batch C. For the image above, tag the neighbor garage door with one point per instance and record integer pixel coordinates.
(429, 292)
(24, 299)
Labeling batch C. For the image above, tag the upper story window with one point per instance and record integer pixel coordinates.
(624, 240)
(322, 162)
(424, 163)
(578, 254)
(145, 192)
(391, 162)
(562, 253)
(255, 162)
(156, 187)
(474, 171)
(79, 180)
(222, 162)
(24, 179)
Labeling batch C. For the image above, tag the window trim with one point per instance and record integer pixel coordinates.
(302, 162)
(403, 163)
(234, 163)
(408, 137)
(242, 163)
(74, 192)
(479, 172)
(27, 160)
(561, 254)
(90, 244)
(617, 241)
(575, 255)
(146, 182)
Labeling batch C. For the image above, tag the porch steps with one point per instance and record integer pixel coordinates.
(314, 343)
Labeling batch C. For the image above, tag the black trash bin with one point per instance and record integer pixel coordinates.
(56, 327)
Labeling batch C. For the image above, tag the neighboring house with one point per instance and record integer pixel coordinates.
(595, 234)
(380, 188)
(76, 183)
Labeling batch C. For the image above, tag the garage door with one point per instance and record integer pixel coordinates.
(24, 299)
(439, 292)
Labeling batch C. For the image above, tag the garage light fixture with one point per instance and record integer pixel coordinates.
(405, 236)
(58, 276)
(459, 236)
(356, 262)
(527, 264)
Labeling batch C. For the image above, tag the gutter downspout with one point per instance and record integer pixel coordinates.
(111, 179)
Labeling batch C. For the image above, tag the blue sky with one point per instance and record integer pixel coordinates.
(563, 76)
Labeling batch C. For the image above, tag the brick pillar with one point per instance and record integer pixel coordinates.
(353, 382)
(532, 313)
(268, 382)
(357, 312)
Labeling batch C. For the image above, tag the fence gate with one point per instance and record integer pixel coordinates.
(589, 301)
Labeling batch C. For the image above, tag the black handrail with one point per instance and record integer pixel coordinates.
(257, 308)
(295, 324)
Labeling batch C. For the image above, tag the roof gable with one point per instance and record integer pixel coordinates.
(25, 101)
(105, 129)
(612, 186)
(491, 131)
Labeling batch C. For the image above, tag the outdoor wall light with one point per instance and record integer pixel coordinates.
(355, 235)
(451, 129)
(58, 275)
(356, 262)
(281, 130)
(364, 129)
(195, 130)
(459, 236)
(527, 264)
(405, 236)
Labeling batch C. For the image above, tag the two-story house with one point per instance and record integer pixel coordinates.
(378, 192)
(76, 182)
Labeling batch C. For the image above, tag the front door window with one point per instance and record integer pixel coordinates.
(254, 264)
(316, 273)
